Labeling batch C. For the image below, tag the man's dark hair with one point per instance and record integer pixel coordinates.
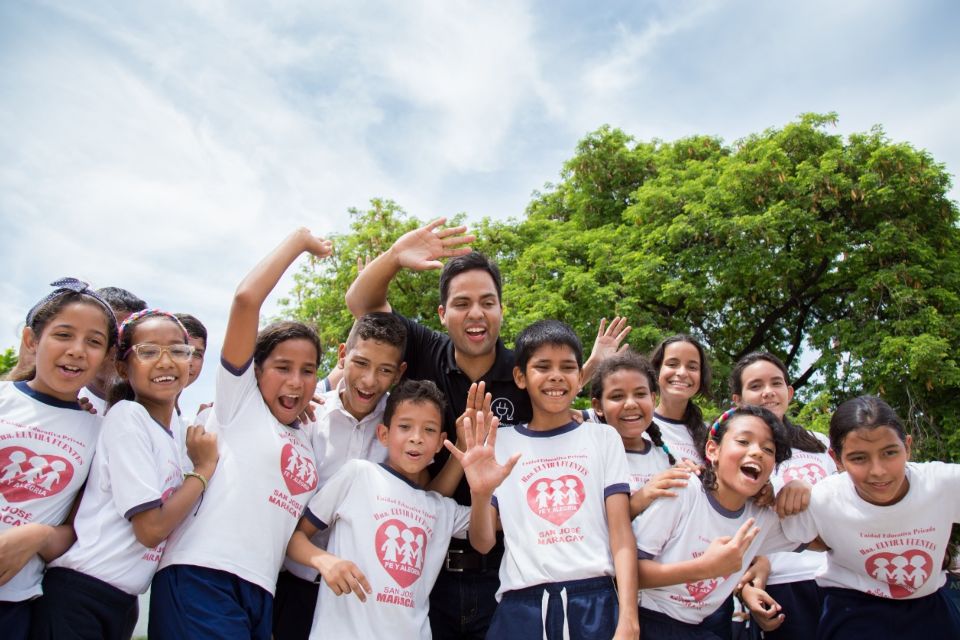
(470, 262)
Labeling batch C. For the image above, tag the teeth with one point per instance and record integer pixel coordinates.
(476, 331)
(164, 379)
(554, 393)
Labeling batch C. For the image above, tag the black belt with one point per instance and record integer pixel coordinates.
(461, 560)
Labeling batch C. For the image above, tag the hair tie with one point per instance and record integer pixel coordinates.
(67, 285)
(721, 420)
(144, 313)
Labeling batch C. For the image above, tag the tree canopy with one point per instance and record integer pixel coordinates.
(838, 255)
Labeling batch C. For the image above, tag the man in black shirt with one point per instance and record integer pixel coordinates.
(471, 310)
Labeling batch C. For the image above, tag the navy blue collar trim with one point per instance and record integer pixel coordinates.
(396, 473)
(668, 420)
(645, 451)
(22, 386)
(166, 429)
(524, 430)
(722, 510)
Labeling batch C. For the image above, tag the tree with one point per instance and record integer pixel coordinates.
(8, 360)
(838, 255)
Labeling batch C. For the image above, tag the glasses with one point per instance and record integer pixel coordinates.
(152, 352)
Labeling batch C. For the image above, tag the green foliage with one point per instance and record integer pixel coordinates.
(8, 360)
(838, 255)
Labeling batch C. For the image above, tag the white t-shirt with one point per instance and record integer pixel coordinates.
(810, 468)
(397, 534)
(136, 468)
(46, 446)
(553, 504)
(891, 552)
(643, 465)
(265, 476)
(681, 529)
(338, 437)
(678, 440)
(98, 403)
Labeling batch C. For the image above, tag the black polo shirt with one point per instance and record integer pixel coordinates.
(429, 356)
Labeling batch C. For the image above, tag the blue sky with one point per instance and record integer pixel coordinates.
(164, 147)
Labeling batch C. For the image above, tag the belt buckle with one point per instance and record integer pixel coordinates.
(446, 561)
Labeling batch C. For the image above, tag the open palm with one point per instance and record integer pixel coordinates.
(484, 474)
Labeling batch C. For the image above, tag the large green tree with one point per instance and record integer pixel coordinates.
(839, 255)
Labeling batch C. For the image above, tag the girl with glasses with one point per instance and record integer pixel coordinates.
(137, 492)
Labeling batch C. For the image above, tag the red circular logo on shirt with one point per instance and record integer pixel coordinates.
(401, 551)
(556, 499)
(299, 472)
(26, 475)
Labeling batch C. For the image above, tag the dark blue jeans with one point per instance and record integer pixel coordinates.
(462, 604)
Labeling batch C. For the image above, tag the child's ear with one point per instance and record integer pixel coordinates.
(382, 432)
(400, 371)
(789, 394)
(30, 340)
(519, 379)
(712, 450)
(122, 371)
(341, 355)
(836, 459)
(443, 437)
(737, 398)
(597, 406)
(908, 443)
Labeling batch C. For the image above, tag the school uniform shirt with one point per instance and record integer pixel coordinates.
(98, 403)
(644, 465)
(810, 467)
(553, 504)
(397, 534)
(135, 469)
(338, 437)
(677, 438)
(430, 356)
(46, 446)
(265, 476)
(894, 551)
(680, 529)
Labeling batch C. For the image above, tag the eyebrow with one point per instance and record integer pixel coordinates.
(67, 325)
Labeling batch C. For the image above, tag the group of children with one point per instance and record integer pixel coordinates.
(280, 518)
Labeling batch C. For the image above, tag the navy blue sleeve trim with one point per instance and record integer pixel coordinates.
(801, 548)
(234, 370)
(495, 503)
(140, 508)
(620, 487)
(314, 520)
(643, 555)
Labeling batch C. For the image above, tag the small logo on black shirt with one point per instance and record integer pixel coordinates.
(503, 409)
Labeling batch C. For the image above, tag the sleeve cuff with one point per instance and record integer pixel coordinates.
(314, 520)
(620, 487)
(140, 508)
(237, 371)
(643, 555)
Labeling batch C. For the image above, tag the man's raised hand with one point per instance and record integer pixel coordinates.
(421, 249)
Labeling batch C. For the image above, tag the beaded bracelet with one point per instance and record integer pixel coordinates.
(191, 474)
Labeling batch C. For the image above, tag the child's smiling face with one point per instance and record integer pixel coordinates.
(627, 405)
(288, 378)
(764, 385)
(679, 376)
(876, 461)
(414, 436)
(158, 382)
(743, 459)
(370, 368)
(552, 380)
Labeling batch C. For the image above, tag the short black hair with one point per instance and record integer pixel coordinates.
(416, 391)
(273, 334)
(194, 327)
(381, 326)
(121, 300)
(543, 332)
(470, 262)
(863, 412)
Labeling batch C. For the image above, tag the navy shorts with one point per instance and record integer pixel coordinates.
(207, 604)
(658, 626)
(587, 608)
(853, 615)
(293, 606)
(77, 606)
(802, 606)
(15, 619)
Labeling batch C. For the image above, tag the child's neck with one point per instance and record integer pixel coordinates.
(672, 409)
(637, 443)
(729, 499)
(161, 411)
(414, 477)
(353, 412)
(549, 421)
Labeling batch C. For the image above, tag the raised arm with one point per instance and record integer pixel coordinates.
(448, 479)
(609, 342)
(420, 250)
(241, 335)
